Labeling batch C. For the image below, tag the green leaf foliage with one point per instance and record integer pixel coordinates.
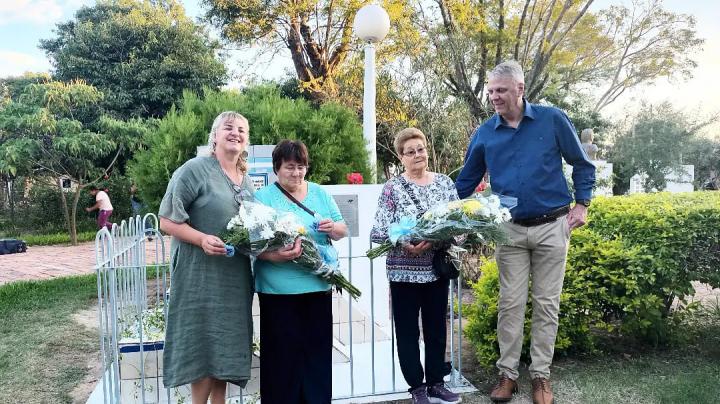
(637, 256)
(332, 133)
(141, 54)
(53, 130)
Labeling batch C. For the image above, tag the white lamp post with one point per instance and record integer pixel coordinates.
(371, 24)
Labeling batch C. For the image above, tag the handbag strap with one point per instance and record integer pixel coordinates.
(300, 204)
(292, 198)
(405, 185)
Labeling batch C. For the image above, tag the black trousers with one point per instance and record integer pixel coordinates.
(296, 348)
(430, 300)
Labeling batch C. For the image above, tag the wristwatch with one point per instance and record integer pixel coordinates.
(584, 202)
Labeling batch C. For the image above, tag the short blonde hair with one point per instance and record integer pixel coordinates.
(405, 135)
(221, 119)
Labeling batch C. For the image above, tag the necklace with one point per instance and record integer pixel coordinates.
(239, 194)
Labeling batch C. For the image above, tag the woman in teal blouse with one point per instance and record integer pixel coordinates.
(295, 305)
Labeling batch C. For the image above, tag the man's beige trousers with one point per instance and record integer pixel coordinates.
(536, 254)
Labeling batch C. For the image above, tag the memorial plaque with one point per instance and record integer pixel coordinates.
(259, 180)
(348, 205)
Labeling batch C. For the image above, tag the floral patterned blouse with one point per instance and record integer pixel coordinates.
(395, 203)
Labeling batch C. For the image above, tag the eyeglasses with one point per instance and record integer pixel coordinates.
(420, 151)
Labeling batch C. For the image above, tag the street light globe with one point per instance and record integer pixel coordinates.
(372, 23)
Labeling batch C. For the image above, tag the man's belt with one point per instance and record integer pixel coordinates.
(549, 217)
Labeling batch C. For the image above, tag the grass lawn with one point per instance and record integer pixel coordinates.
(52, 239)
(667, 377)
(44, 353)
(627, 373)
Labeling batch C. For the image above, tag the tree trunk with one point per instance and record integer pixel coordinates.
(66, 212)
(501, 29)
(10, 198)
(516, 52)
(73, 216)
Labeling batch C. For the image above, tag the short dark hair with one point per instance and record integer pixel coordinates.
(94, 187)
(289, 150)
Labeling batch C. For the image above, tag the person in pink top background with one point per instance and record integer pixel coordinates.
(102, 203)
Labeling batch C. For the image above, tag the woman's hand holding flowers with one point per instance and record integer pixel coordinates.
(417, 249)
(284, 254)
(212, 245)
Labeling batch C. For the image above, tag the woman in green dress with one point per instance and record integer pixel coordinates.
(208, 340)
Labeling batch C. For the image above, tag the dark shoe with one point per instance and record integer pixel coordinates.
(419, 395)
(438, 394)
(542, 392)
(504, 389)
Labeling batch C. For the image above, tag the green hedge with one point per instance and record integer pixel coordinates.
(332, 133)
(637, 255)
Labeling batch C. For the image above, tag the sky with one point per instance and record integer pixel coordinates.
(24, 22)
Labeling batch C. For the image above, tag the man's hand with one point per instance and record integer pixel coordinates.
(577, 216)
(417, 249)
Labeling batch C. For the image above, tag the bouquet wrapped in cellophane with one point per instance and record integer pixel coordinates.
(477, 219)
(258, 228)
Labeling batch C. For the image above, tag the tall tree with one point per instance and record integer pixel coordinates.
(10, 89)
(56, 130)
(316, 33)
(561, 45)
(466, 38)
(141, 54)
(704, 154)
(653, 146)
(649, 42)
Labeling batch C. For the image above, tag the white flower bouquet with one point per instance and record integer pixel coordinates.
(258, 228)
(478, 218)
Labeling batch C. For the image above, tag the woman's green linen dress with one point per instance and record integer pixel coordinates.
(209, 325)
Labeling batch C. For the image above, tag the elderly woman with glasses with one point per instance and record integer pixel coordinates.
(296, 305)
(208, 338)
(415, 289)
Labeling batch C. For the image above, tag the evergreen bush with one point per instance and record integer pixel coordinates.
(332, 133)
(637, 256)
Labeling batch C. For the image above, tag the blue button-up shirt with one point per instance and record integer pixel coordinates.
(526, 162)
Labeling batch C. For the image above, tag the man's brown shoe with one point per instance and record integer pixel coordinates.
(504, 389)
(542, 392)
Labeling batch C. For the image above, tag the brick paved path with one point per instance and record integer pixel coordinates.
(45, 262)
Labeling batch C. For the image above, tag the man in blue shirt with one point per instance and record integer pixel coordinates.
(522, 147)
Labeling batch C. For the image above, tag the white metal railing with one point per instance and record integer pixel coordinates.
(124, 273)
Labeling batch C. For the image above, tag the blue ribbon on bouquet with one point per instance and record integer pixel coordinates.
(330, 264)
(404, 227)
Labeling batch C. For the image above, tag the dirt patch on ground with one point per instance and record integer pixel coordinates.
(88, 318)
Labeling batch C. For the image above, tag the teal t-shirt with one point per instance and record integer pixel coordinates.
(288, 278)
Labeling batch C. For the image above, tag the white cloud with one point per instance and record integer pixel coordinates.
(30, 11)
(17, 63)
(37, 12)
